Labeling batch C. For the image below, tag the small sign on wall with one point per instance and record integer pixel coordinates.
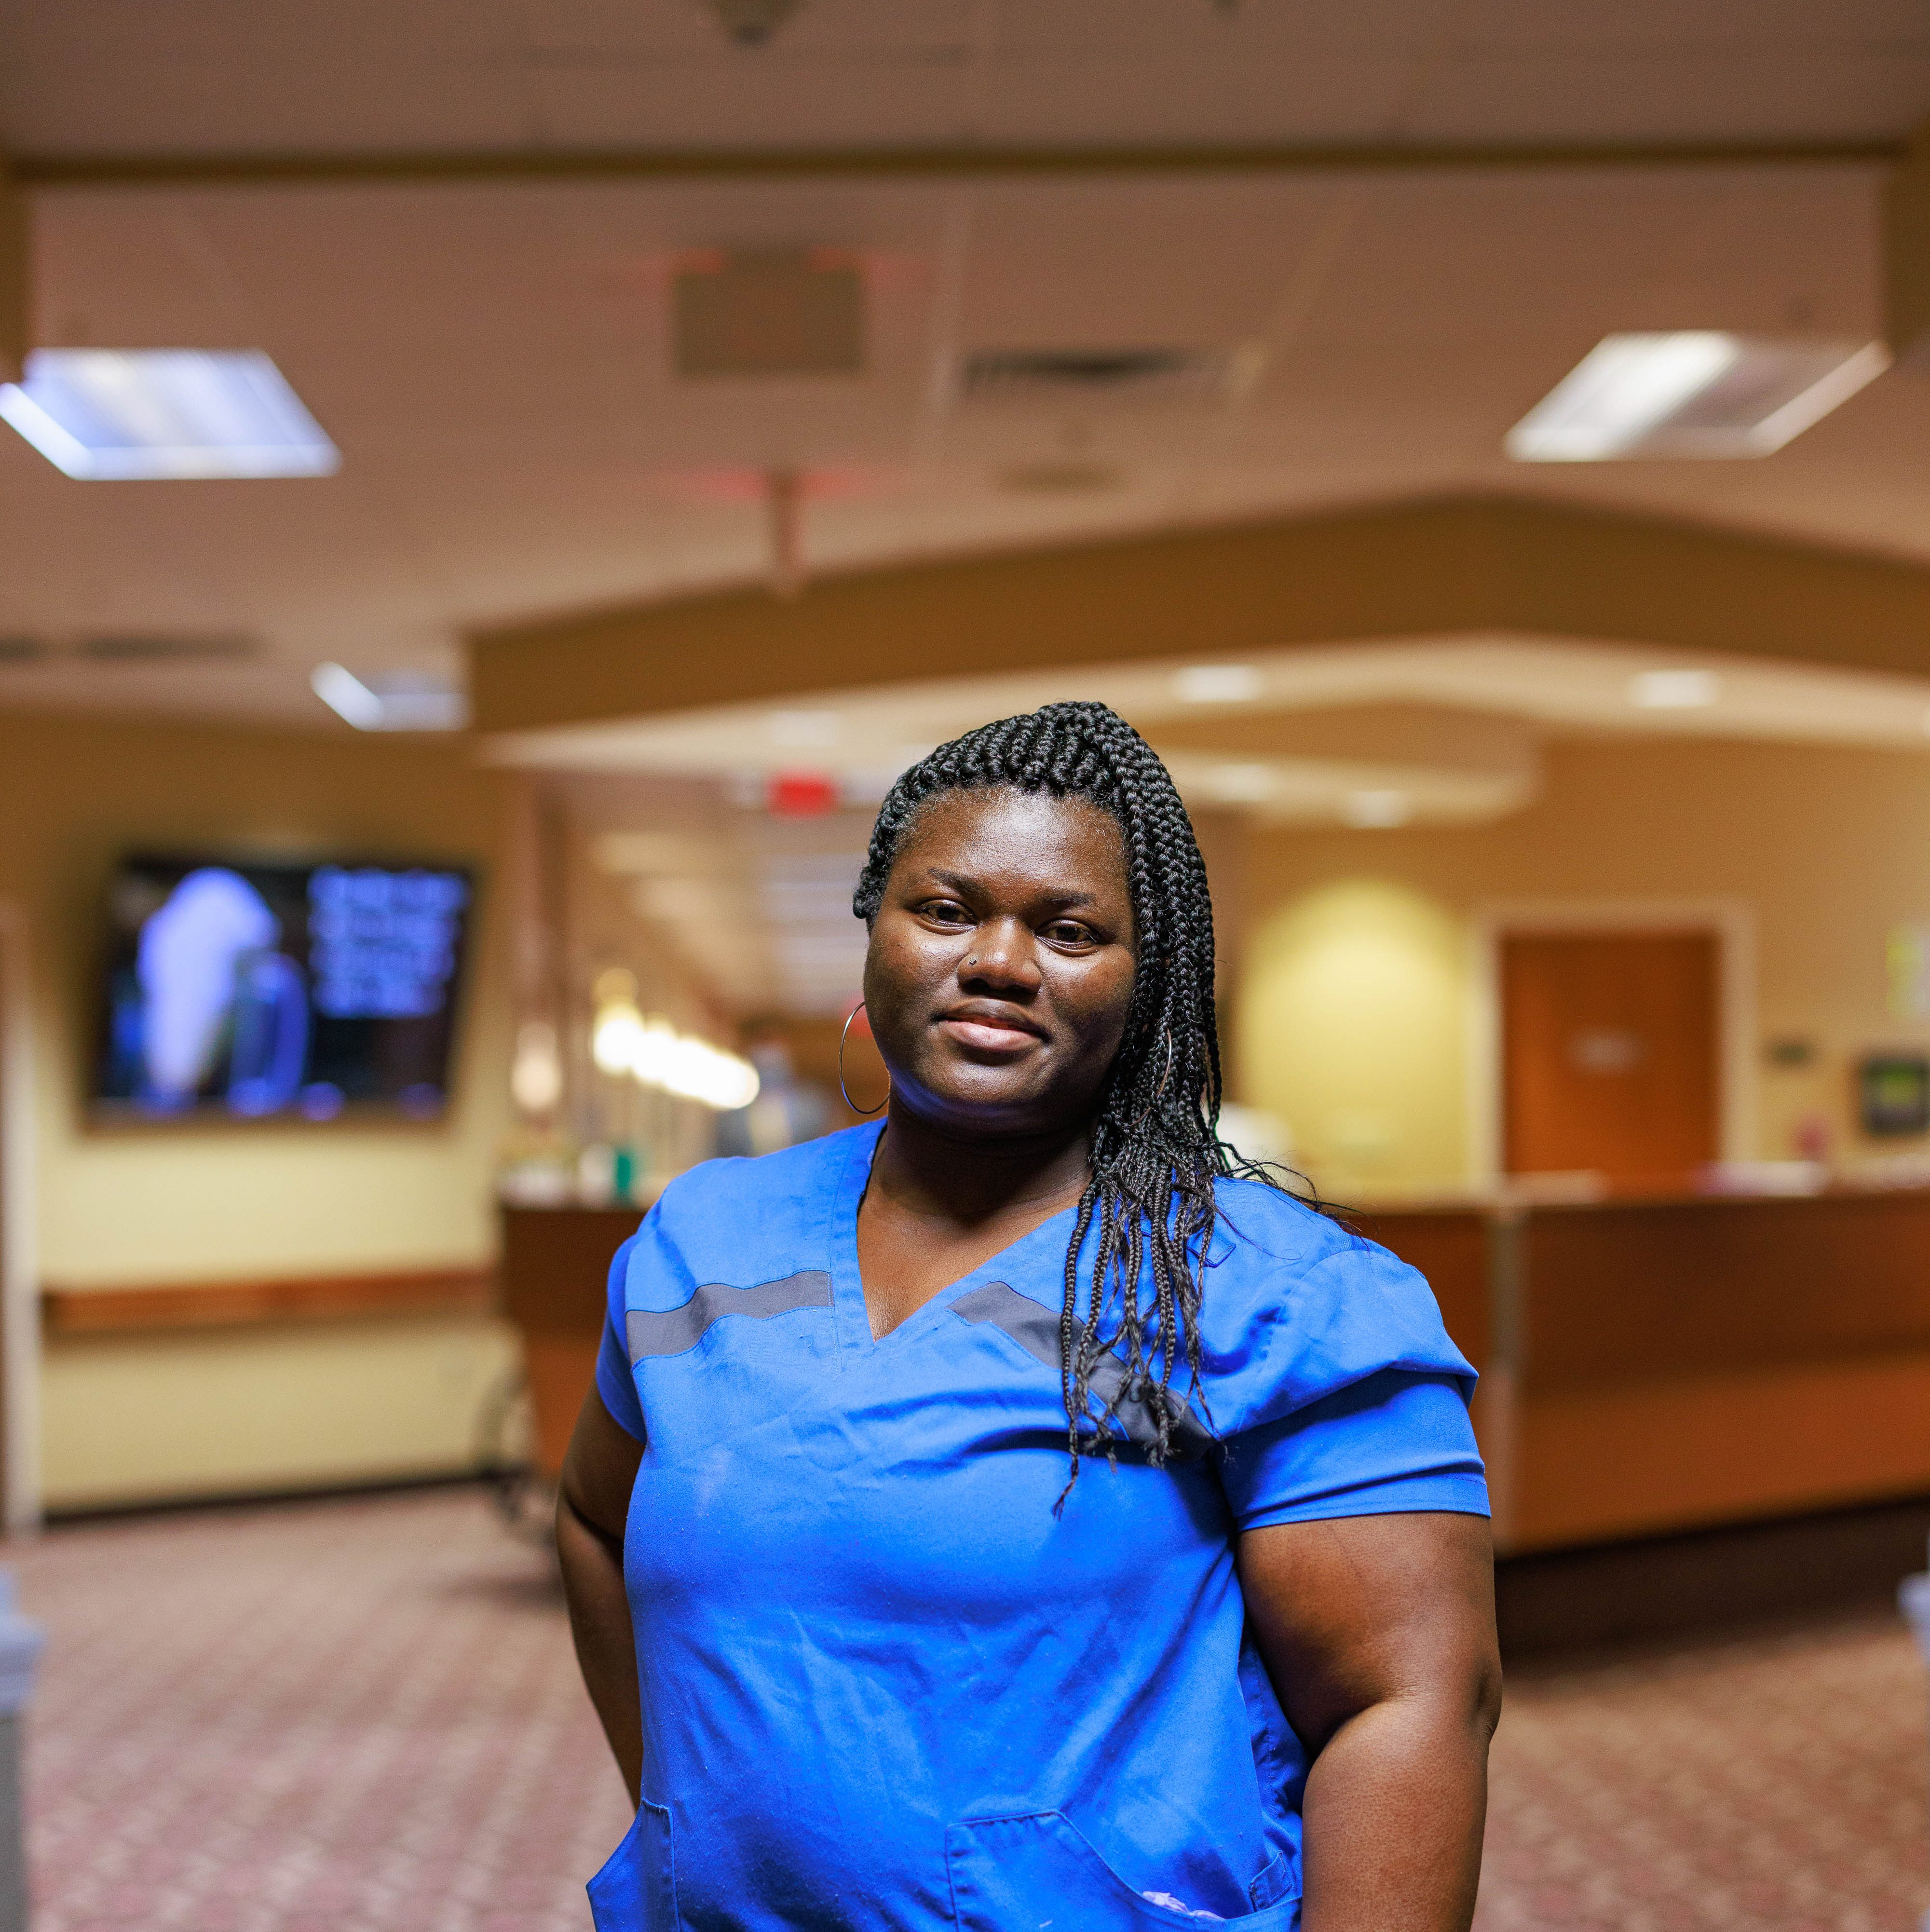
(1893, 1093)
(1908, 959)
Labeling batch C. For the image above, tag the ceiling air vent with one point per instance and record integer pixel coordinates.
(128, 647)
(999, 375)
(151, 648)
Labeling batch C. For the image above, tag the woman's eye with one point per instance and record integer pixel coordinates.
(946, 912)
(1068, 932)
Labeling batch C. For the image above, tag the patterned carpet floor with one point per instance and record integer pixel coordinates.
(1776, 1783)
(365, 1717)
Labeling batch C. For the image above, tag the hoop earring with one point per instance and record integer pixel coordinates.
(842, 1088)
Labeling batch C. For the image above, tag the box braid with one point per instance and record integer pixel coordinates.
(1156, 1149)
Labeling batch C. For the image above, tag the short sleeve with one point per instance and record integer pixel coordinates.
(1397, 1440)
(1334, 1388)
(614, 1381)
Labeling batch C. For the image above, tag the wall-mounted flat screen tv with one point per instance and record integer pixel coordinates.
(255, 989)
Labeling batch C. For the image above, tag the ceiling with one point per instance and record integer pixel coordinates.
(101, 76)
(492, 355)
(1287, 736)
(756, 906)
(1423, 731)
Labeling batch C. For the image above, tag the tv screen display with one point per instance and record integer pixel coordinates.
(259, 989)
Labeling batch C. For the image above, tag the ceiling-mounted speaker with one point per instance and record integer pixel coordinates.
(769, 313)
(751, 23)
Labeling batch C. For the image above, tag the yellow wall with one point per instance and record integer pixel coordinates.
(1351, 1030)
(144, 1418)
(129, 1208)
(202, 1203)
(1830, 848)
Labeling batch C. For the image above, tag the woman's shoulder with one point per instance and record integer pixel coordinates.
(1264, 1227)
(1297, 1305)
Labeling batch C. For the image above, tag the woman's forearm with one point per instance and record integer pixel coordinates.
(599, 1621)
(1394, 1810)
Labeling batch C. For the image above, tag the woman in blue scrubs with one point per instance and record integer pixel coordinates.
(1011, 1517)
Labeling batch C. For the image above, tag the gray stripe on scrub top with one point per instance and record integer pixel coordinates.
(1036, 1330)
(671, 1331)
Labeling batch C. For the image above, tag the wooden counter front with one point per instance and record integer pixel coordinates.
(1638, 1289)
(1656, 1365)
(556, 1274)
(1646, 1365)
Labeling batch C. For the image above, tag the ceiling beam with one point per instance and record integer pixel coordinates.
(1906, 247)
(408, 168)
(15, 275)
(1461, 566)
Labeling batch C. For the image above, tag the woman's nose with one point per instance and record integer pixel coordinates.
(1001, 954)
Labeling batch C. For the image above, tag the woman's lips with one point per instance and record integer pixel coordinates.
(989, 1036)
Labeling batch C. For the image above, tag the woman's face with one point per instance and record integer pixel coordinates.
(1001, 961)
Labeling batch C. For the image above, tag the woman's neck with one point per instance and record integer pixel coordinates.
(925, 1172)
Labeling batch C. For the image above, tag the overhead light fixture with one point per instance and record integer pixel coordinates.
(813, 729)
(1377, 810)
(651, 1051)
(1217, 684)
(535, 1074)
(396, 701)
(1674, 690)
(132, 415)
(1241, 784)
(1695, 392)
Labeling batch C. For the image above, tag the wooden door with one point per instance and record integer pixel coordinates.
(1609, 1054)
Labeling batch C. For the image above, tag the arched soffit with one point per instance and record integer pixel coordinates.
(1429, 569)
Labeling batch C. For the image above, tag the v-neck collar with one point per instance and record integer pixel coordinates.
(852, 1319)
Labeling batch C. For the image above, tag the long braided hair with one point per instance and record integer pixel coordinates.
(1156, 1150)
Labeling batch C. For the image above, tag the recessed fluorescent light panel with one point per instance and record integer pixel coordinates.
(400, 702)
(121, 414)
(1375, 809)
(1239, 784)
(1216, 684)
(807, 730)
(1674, 690)
(1695, 392)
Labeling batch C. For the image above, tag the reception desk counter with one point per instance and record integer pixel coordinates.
(556, 1274)
(1647, 1365)
(1658, 1364)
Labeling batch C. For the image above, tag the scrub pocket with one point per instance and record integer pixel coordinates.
(636, 1890)
(1016, 1874)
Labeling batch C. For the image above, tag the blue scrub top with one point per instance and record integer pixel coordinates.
(883, 1686)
